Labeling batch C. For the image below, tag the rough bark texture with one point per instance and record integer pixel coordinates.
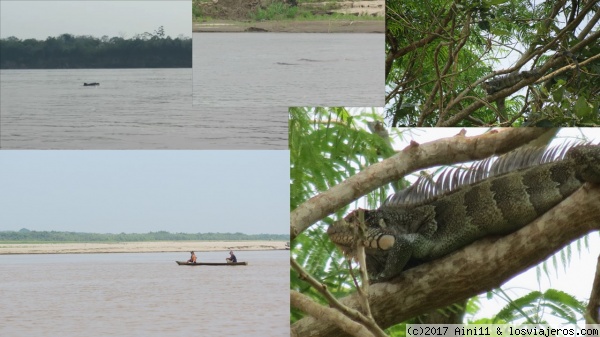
(593, 308)
(484, 265)
(453, 314)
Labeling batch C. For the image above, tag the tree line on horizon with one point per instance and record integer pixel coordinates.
(57, 236)
(66, 51)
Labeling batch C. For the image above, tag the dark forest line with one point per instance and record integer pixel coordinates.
(25, 235)
(67, 51)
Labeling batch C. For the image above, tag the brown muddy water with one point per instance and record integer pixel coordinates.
(288, 69)
(130, 109)
(144, 294)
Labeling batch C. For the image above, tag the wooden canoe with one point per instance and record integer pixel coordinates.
(185, 263)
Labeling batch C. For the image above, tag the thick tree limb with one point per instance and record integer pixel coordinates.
(484, 265)
(453, 314)
(593, 308)
(440, 152)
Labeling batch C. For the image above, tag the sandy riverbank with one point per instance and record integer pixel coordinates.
(137, 247)
(333, 26)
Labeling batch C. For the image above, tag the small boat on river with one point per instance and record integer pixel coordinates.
(90, 84)
(185, 263)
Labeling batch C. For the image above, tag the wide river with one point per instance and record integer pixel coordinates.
(131, 109)
(144, 294)
(288, 69)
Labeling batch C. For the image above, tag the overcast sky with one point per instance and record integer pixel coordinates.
(40, 19)
(143, 191)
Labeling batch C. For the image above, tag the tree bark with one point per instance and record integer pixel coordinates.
(453, 314)
(593, 308)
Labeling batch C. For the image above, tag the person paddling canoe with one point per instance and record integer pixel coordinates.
(231, 258)
(192, 258)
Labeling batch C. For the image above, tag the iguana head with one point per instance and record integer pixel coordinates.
(345, 233)
(377, 238)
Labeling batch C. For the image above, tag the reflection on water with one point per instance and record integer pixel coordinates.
(288, 69)
(130, 109)
(144, 295)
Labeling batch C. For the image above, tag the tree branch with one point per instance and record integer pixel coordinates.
(593, 308)
(481, 266)
(591, 24)
(326, 314)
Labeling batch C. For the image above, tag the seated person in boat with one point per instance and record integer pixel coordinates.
(231, 258)
(192, 258)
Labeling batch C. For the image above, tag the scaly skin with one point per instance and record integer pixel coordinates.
(399, 235)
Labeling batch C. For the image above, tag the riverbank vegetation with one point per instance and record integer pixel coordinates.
(66, 51)
(28, 236)
(276, 10)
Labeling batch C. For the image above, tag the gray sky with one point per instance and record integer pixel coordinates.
(143, 191)
(40, 19)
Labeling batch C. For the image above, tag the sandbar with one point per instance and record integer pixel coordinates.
(137, 247)
(332, 26)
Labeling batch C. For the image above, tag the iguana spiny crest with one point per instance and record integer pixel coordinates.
(495, 196)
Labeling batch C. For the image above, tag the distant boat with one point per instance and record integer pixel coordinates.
(90, 84)
(185, 263)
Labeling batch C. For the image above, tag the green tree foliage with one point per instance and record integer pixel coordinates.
(535, 306)
(439, 52)
(327, 146)
(68, 51)
(25, 235)
(276, 11)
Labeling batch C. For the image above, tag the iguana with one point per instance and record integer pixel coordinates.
(501, 82)
(495, 196)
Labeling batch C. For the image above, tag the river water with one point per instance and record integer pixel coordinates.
(144, 294)
(288, 69)
(131, 109)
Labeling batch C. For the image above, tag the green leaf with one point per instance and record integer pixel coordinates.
(557, 95)
(582, 108)
(515, 309)
(484, 25)
(500, 32)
